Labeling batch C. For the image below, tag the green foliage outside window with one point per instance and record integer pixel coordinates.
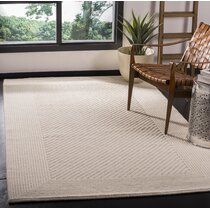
(37, 26)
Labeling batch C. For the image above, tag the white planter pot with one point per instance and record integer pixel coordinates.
(124, 60)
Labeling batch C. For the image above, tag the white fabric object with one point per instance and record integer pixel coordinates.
(205, 72)
(72, 138)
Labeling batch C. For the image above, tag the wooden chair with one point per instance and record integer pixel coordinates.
(175, 78)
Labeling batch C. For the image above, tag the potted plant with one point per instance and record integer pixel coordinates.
(138, 31)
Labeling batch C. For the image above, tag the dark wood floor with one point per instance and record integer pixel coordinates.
(184, 200)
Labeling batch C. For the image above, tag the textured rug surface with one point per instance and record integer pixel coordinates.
(72, 138)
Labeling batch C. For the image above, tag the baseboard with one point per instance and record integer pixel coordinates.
(60, 74)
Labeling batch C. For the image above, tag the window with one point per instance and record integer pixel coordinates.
(53, 26)
(88, 21)
(27, 23)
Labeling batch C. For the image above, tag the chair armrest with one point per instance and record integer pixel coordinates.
(162, 45)
(133, 47)
(183, 66)
(195, 63)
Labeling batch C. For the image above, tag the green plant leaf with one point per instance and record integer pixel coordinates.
(135, 22)
(139, 31)
(144, 19)
(150, 38)
(129, 29)
(130, 40)
(149, 32)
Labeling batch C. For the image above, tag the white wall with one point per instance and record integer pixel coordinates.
(58, 61)
(97, 60)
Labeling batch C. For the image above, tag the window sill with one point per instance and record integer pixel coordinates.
(62, 47)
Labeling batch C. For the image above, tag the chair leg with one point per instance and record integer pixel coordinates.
(130, 87)
(169, 107)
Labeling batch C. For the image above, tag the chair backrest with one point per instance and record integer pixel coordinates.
(198, 49)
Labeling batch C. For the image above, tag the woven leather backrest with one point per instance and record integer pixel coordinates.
(198, 49)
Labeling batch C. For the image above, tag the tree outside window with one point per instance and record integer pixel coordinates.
(36, 22)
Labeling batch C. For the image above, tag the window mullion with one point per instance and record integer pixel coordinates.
(59, 22)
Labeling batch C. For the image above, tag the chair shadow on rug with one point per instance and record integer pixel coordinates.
(175, 78)
(159, 118)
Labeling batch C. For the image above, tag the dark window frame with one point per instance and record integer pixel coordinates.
(59, 46)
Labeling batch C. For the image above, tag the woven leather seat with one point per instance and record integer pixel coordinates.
(161, 74)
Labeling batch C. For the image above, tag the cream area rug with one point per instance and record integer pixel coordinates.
(72, 138)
